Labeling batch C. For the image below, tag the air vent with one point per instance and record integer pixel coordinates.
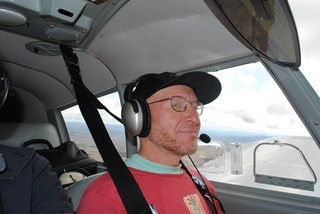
(65, 12)
(43, 48)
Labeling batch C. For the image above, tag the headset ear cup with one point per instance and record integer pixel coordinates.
(132, 117)
(146, 126)
(136, 117)
(135, 113)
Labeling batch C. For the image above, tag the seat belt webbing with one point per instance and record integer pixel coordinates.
(129, 191)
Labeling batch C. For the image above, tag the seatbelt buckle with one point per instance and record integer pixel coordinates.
(198, 181)
(153, 209)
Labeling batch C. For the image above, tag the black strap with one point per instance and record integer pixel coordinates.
(38, 141)
(128, 189)
(204, 190)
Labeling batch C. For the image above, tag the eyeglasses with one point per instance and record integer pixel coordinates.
(180, 104)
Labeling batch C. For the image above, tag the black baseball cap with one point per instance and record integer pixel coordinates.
(206, 86)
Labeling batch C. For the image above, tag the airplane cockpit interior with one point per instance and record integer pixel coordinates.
(68, 64)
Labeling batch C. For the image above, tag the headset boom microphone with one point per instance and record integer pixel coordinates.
(205, 138)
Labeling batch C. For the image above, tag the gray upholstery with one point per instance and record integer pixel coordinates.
(76, 190)
(15, 134)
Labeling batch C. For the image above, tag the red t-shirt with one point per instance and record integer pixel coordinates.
(169, 193)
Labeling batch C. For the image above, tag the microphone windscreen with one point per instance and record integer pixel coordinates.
(205, 138)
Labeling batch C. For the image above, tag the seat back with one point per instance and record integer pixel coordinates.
(76, 190)
(15, 134)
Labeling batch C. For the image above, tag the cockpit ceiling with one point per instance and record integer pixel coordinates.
(142, 37)
(157, 36)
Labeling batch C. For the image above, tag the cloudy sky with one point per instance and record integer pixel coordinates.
(306, 14)
(250, 99)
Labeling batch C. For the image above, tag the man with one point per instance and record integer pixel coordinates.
(27, 184)
(170, 106)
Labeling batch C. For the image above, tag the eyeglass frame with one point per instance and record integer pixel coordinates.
(199, 107)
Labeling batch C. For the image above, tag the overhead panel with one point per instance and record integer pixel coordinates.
(73, 22)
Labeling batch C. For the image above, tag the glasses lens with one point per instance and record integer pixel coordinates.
(198, 107)
(179, 103)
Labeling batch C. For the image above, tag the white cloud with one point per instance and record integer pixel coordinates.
(306, 15)
(251, 101)
(73, 114)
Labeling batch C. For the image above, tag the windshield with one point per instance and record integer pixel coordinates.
(252, 110)
(267, 26)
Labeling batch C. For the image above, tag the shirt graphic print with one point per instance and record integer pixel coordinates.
(194, 204)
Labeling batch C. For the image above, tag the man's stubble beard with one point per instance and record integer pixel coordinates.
(159, 136)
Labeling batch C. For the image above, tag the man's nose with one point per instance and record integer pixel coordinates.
(193, 114)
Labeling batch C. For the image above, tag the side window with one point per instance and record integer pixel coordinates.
(252, 110)
(251, 102)
(80, 134)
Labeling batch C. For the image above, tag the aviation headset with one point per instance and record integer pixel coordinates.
(135, 112)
